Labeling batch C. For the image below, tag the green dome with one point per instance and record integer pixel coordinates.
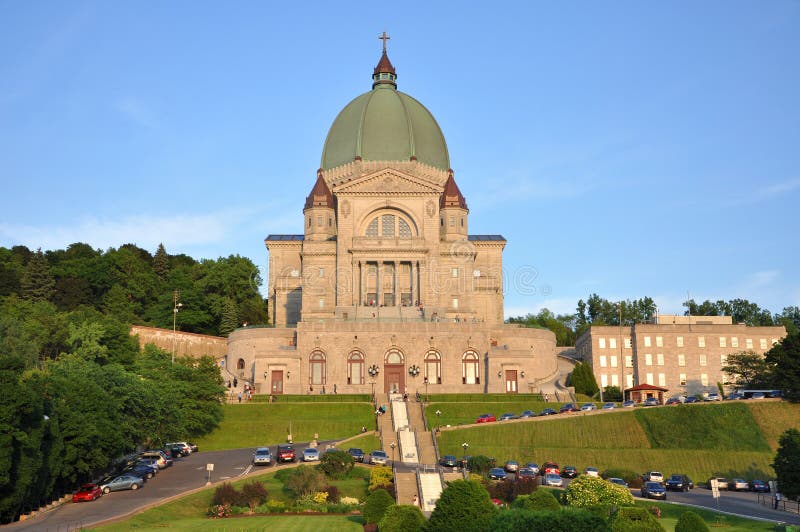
(385, 124)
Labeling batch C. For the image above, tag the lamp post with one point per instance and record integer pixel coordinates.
(176, 306)
(393, 445)
(464, 446)
(373, 390)
(438, 424)
(427, 398)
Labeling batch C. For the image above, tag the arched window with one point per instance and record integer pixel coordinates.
(389, 225)
(317, 369)
(394, 356)
(433, 367)
(240, 364)
(469, 368)
(355, 368)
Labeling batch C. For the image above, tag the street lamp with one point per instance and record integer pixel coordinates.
(392, 445)
(427, 398)
(438, 425)
(176, 306)
(373, 390)
(464, 446)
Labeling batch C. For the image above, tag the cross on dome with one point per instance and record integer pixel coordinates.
(384, 37)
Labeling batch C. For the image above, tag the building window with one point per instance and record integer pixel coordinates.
(762, 343)
(647, 341)
(660, 359)
(659, 341)
(681, 360)
(649, 379)
(469, 368)
(441, 222)
(317, 369)
(723, 360)
(355, 368)
(722, 342)
(648, 359)
(404, 230)
(701, 341)
(330, 222)
(627, 343)
(387, 225)
(433, 367)
(601, 343)
(322, 272)
(774, 341)
(629, 381)
(454, 273)
(628, 361)
(462, 222)
(614, 380)
(748, 343)
(390, 226)
(662, 379)
(612, 343)
(240, 364)
(734, 342)
(319, 221)
(603, 361)
(703, 360)
(604, 381)
(679, 341)
(682, 379)
(455, 302)
(322, 302)
(394, 356)
(704, 379)
(452, 221)
(613, 361)
(372, 229)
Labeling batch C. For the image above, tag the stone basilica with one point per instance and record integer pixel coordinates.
(386, 290)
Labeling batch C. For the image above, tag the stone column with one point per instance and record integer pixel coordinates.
(378, 287)
(360, 292)
(396, 282)
(413, 269)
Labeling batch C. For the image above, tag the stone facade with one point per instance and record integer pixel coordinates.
(684, 354)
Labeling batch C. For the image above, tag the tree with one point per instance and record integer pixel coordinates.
(37, 282)
(538, 500)
(463, 506)
(305, 481)
(587, 492)
(402, 518)
(376, 505)
(549, 521)
(691, 522)
(630, 519)
(612, 393)
(161, 262)
(230, 318)
(336, 464)
(747, 369)
(583, 380)
(784, 359)
(787, 464)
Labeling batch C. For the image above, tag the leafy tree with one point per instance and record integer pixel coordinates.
(587, 491)
(691, 522)
(789, 318)
(548, 521)
(305, 481)
(784, 359)
(740, 310)
(631, 519)
(402, 518)
(84, 340)
(463, 506)
(612, 393)
(381, 477)
(37, 282)
(480, 464)
(582, 379)
(787, 463)
(254, 493)
(336, 464)
(563, 326)
(376, 505)
(747, 369)
(230, 318)
(161, 263)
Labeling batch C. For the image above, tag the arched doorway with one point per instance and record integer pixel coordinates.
(394, 376)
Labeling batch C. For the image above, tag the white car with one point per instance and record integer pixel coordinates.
(653, 476)
(262, 456)
(551, 479)
(311, 455)
(713, 396)
(591, 471)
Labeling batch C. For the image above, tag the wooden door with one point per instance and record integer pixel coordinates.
(511, 381)
(394, 378)
(277, 382)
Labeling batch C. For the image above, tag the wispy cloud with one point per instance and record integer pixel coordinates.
(764, 192)
(514, 190)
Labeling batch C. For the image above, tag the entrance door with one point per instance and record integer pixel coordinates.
(511, 381)
(277, 382)
(394, 378)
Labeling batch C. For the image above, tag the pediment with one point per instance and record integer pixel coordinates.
(387, 181)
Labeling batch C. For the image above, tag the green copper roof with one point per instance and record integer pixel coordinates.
(385, 124)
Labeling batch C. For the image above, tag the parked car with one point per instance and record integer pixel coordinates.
(757, 395)
(551, 479)
(507, 416)
(585, 407)
(591, 471)
(485, 418)
(678, 482)
(569, 471)
(158, 456)
(356, 453)
(674, 401)
(653, 476)
(628, 404)
(311, 454)
(691, 400)
(722, 483)
(122, 482)
(378, 457)
(735, 396)
(497, 473)
(527, 413)
(526, 474)
(192, 446)
(609, 406)
(653, 490)
(569, 407)
(149, 463)
(448, 460)
(712, 396)
(511, 466)
(547, 412)
(618, 481)
(759, 486)
(87, 492)
(286, 453)
(534, 466)
(550, 468)
(738, 484)
(143, 471)
(262, 456)
(651, 401)
(179, 448)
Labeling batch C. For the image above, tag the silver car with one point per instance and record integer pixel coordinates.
(262, 456)
(123, 482)
(377, 457)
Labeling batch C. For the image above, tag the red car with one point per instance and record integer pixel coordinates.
(550, 468)
(485, 418)
(87, 492)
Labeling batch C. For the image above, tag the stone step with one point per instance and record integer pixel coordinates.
(431, 487)
(405, 485)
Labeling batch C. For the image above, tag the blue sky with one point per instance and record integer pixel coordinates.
(623, 148)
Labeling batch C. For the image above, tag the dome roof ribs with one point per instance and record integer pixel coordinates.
(320, 195)
(452, 197)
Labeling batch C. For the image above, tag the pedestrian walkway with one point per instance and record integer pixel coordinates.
(431, 487)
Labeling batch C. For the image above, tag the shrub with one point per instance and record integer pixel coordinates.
(305, 481)
(464, 506)
(333, 494)
(538, 500)
(480, 464)
(351, 501)
(273, 507)
(548, 521)
(691, 522)
(656, 511)
(226, 494)
(321, 497)
(254, 493)
(586, 492)
(336, 464)
(505, 490)
(219, 511)
(381, 478)
(376, 505)
(402, 518)
(633, 519)
(633, 479)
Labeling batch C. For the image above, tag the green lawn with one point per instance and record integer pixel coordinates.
(366, 442)
(273, 523)
(254, 424)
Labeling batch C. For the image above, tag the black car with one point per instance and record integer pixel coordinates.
(679, 483)
(569, 407)
(356, 453)
(569, 472)
(142, 471)
(759, 486)
(527, 413)
(548, 412)
(448, 460)
(654, 490)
